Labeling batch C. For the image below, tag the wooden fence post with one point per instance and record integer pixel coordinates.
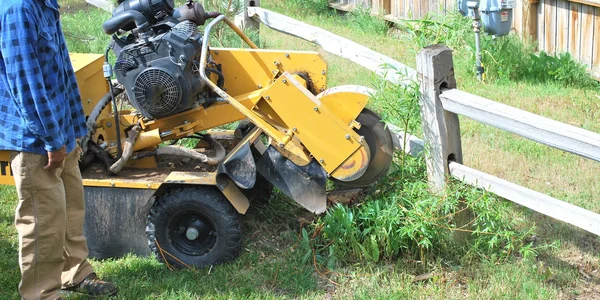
(243, 20)
(441, 129)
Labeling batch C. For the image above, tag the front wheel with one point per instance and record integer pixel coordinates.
(194, 227)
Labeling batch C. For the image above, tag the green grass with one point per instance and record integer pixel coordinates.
(272, 264)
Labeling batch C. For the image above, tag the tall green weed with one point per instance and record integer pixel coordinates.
(402, 219)
(507, 58)
(362, 19)
(303, 7)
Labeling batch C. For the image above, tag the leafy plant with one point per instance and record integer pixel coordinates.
(403, 219)
(306, 7)
(222, 35)
(362, 19)
(560, 68)
(507, 58)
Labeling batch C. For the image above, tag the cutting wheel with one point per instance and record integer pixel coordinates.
(381, 146)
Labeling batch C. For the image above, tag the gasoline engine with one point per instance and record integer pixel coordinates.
(158, 62)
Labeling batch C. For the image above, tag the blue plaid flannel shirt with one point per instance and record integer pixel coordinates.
(40, 105)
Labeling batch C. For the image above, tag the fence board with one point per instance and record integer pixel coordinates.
(575, 30)
(563, 12)
(536, 201)
(518, 17)
(361, 55)
(550, 20)
(530, 18)
(534, 127)
(413, 13)
(587, 34)
(541, 29)
(596, 52)
(423, 9)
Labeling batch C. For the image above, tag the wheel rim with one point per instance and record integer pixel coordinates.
(381, 149)
(192, 233)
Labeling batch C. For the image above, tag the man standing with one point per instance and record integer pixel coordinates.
(40, 118)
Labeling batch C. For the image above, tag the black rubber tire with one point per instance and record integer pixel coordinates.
(224, 240)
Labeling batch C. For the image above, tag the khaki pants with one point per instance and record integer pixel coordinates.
(49, 219)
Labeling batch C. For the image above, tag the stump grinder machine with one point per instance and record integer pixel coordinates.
(143, 189)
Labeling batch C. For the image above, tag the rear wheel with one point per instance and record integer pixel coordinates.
(194, 227)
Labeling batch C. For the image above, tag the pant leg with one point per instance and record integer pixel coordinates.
(76, 266)
(40, 219)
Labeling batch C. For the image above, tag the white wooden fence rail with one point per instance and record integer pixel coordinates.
(440, 104)
(376, 62)
(534, 127)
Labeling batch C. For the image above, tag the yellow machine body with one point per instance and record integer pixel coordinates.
(272, 90)
(269, 89)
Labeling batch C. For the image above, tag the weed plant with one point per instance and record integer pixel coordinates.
(362, 19)
(507, 58)
(222, 35)
(307, 7)
(401, 218)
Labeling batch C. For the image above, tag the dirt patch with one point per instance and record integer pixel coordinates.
(588, 291)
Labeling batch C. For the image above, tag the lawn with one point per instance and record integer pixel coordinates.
(273, 263)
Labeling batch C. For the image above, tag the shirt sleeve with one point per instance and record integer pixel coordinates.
(19, 45)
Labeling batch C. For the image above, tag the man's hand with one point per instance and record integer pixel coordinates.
(55, 158)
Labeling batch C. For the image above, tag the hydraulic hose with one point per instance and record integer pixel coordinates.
(121, 19)
(108, 74)
(220, 152)
(93, 117)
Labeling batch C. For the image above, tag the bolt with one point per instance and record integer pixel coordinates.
(260, 86)
(276, 63)
(89, 100)
(192, 233)
(108, 124)
(321, 160)
(112, 184)
(281, 145)
(323, 72)
(185, 122)
(216, 52)
(347, 136)
(294, 129)
(267, 97)
(322, 90)
(316, 109)
(287, 55)
(284, 81)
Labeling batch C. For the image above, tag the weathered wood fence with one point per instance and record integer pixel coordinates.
(559, 26)
(524, 15)
(441, 103)
(571, 26)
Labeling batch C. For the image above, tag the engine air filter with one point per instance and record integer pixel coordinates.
(156, 92)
